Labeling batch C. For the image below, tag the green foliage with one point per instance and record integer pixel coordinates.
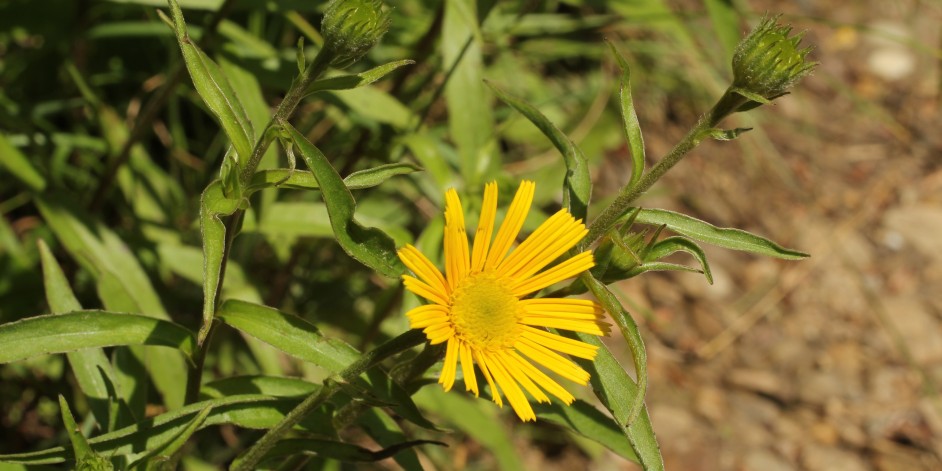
(125, 227)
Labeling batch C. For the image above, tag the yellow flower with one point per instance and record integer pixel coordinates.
(479, 308)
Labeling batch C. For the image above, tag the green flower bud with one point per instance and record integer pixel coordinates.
(613, 262)
(352, 27)
(768, 62)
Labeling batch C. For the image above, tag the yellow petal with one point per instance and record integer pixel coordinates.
(482, 237)
(513, 221)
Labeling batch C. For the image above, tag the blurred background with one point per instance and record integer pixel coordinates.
(832, 363)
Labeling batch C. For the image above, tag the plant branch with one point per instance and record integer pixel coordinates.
(600, 226)
(253, 456)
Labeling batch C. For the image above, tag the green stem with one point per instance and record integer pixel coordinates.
(233, 223)
(726, 105)
(250, 459)
(285, 109)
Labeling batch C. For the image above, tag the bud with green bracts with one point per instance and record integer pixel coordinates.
(768, 62)
(351, 28)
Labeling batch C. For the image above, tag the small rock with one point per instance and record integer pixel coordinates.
(764, 460)
(711, 403)
(821, 458)
(825, 433)
(919, 226)
(915, 324)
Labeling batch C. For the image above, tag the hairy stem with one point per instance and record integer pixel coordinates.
(726, 105)
(285, 109)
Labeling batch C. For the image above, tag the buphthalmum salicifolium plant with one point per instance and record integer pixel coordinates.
(492, 295)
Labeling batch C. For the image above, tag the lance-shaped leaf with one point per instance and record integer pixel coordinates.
(630, 119)
(214, 88)
(85, 457)
(91, 367)
(669, 245)
(370, 246)
(578, 186)
(347, 82)
(20, 167)
(629, 330)
(254, 411)
(337, 450)
(122, 283)
(303, 340)
(702, 231)
(288, 333)
(618, 392)
(60, 333)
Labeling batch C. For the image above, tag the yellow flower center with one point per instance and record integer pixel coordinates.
(484, 312)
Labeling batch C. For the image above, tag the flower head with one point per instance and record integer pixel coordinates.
(481, 310)
(352, 27)
(768, 62)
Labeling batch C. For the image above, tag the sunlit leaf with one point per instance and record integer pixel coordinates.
(370, 246)
(702, 231)
(60, 333)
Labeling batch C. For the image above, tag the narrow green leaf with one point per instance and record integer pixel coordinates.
(253, 411)
(659, 266)
(369, 246)
(347, 82)
(288, 333)
(671, 245)
(630, 119)
(160, 456)
(20, 167)
(584, 419)
(735, 239)
(91, 367)
(727, 134)
(345, 452)
(277, 386)
(629, 330)
(213, 206)
(85, 457)
(59, 333)
(214, 88)
(577, 184)
(618, 391)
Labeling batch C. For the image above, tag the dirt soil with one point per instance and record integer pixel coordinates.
(832, 363)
